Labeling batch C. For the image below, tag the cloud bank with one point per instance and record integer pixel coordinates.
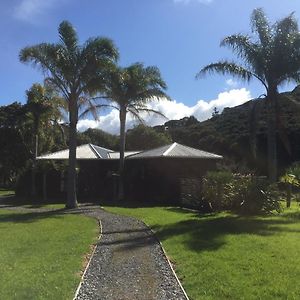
(173, 110)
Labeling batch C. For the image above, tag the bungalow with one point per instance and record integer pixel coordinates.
(164, 174)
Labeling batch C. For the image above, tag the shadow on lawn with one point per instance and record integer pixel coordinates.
(14, 201)
(27, 217)
(208, 232)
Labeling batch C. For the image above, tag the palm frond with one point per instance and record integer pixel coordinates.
(240, 44)
(68, 36)
(286, 55)
(150, 95)
(147, 110)
(136, 115)
(98, 54)
(94, 110)
(254, 55)
(261, 26)
(226, 68)
(47, 58)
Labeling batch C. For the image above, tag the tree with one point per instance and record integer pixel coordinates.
(14, 150)
(272, 57)
(291, 179)
(75, 71)
(43, 106)
(101, 138)
(215, 112)
(131, 89)
(143, 137)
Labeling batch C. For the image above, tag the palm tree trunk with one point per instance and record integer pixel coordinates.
(71, 187)
(122, 151)
(33, 172)
(289, 196)
(45, 186)
(272, 133)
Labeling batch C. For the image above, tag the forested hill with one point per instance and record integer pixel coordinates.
(239, 133)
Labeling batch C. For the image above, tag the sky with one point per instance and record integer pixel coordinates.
(177, 36)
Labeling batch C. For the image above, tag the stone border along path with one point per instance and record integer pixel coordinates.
(128, 262)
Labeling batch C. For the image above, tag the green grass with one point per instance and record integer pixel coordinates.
(5, 192)
(42, 254)
(224, 256)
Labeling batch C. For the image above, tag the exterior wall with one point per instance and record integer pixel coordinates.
(96, 179)
(162, 180)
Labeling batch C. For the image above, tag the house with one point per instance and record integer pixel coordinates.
(163, 174)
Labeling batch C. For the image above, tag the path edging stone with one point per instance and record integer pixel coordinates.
(90, 259)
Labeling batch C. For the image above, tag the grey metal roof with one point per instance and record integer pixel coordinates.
(87, 151)
(101, 152)
(116, 155)
(176, 150)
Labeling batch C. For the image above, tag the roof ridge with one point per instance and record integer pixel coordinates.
(172, 146)
(189, 147)
(110, 150)
(95, 151)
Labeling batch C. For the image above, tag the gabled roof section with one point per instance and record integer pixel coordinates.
(87, 151)
(101, 152)
(116, 155)
(177, 151)
(90, 151)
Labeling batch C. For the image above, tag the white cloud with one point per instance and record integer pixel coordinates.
(189, 1)
(27, 10)
(231, 83)
(173, 110)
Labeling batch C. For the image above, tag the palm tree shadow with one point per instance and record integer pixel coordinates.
(209, 234)
(31, 216)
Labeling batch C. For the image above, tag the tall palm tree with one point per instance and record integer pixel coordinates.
(76, 71)
(272, 57)
(131, 89)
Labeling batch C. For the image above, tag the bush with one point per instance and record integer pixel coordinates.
(191, 195)
(215, 185)
(250, 195)
(244, 194)
(291, 182)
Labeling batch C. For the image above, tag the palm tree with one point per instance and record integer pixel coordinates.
(272, 57)
(131, 89)
(42, 106)
(75, 71)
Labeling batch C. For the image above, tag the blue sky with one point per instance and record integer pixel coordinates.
(178, 36)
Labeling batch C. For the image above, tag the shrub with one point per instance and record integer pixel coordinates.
(250, 195)
(244, 194)
(191, 195)
(215, 185)
(291, 180)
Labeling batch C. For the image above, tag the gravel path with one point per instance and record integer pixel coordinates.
(128, 262)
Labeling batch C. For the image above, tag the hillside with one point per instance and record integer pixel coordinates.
(239, 133)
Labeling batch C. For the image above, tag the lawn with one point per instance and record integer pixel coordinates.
(5, 192)
(225, 256)
(42, 254)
